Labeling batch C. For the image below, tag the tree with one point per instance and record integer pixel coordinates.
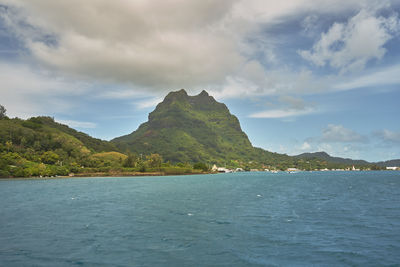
(154, 160)
(200, 166)
(130, 161)
(49, 157)
(2, 112)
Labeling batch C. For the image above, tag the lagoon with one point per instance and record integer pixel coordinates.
(235, 219)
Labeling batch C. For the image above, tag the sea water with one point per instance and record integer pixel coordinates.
(238, 219)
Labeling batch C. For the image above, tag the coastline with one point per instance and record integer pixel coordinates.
(105, 175)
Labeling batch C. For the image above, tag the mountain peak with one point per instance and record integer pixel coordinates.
(203, 93)
(181, 92)
(176, 95)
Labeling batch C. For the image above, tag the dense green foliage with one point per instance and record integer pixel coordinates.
(42, 147)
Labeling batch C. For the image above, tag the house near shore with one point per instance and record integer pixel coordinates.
(393, 168)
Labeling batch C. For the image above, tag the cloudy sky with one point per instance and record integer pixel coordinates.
(301, 75)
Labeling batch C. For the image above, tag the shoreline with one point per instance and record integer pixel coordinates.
(104, 175)
(138, 174)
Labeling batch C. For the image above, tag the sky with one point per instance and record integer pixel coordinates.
(300, 75)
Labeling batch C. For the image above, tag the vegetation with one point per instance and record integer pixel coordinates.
(184, 134)
(42, 147)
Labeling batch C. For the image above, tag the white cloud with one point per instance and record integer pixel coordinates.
(386, 76)
(156, 44)
(282, 113)
(305, 146)
(338, 133)
(349, 46)
(78, 124)
(162, 45)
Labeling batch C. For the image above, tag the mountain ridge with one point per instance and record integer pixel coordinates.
(325, 156)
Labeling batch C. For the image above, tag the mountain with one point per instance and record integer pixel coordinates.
(326, 157)
(185, 128)
(346, 161)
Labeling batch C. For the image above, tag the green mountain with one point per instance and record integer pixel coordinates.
(186, 128)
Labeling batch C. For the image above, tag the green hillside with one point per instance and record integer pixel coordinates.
(186, 128)
(41, 146)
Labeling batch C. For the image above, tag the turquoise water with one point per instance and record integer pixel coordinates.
(240, 219)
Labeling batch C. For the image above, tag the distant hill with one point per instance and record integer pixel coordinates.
(325, 156)
(346, 161)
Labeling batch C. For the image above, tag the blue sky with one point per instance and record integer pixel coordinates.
(301, 75)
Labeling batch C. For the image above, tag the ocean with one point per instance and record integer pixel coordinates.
(236, 219)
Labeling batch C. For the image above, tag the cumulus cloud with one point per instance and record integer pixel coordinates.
(160, 45)
(349, 46)
(305, 146)
(338, 133)
(157, 44)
